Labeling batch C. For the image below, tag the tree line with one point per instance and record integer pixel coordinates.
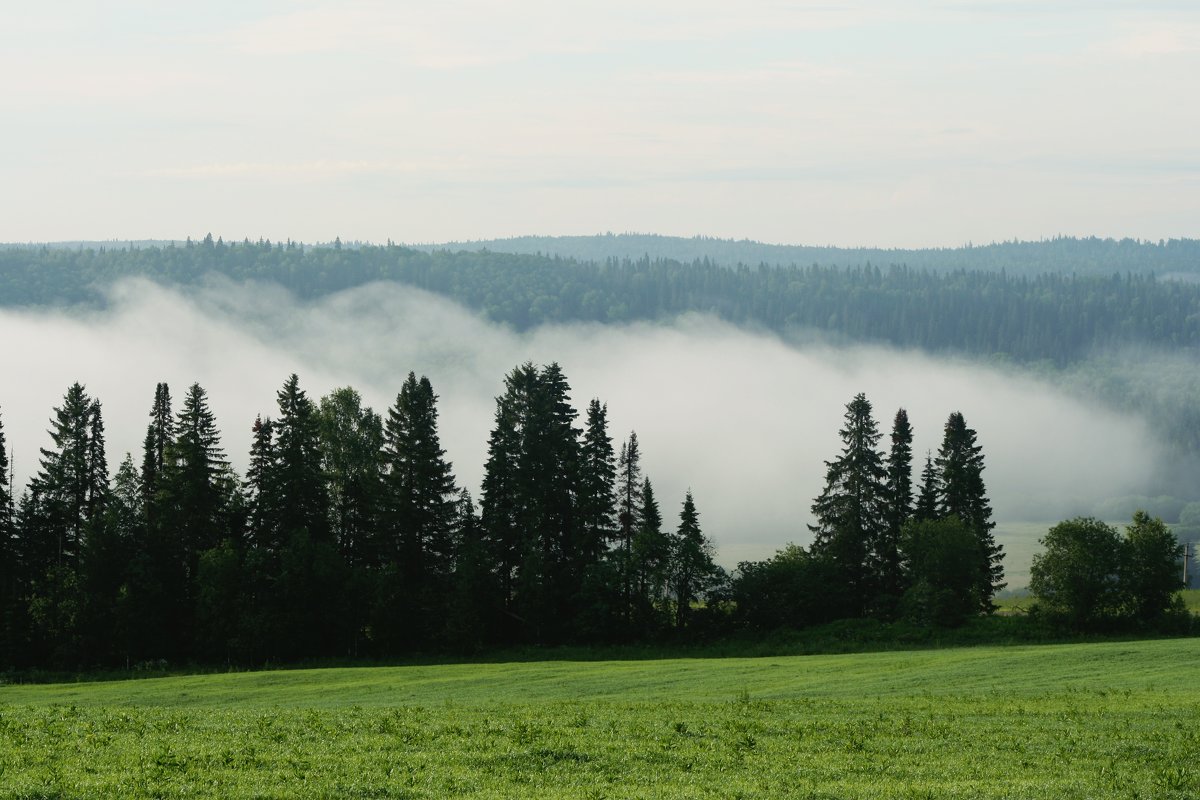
(348, 535)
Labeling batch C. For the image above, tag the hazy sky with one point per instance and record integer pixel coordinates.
(877, 123)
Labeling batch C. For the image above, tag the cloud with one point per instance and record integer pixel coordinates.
(745, 420)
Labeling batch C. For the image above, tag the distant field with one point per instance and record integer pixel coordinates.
(1063, 721)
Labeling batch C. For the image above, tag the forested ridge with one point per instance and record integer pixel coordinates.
(1126, 338)
(1055, 318)
(1063, 254)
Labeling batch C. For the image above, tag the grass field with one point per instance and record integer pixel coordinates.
(1063, 721)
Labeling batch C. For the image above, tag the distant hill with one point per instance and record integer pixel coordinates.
(1174, 258)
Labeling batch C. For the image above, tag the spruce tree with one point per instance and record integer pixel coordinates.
(196, 480)
(898, 504)
(159, 435)
(851, 511)
(651, 560)
(962, 494)
(419, 511)
(259, 486)
(926, 507)
(693, 571)
(303, 501)
(597, 479)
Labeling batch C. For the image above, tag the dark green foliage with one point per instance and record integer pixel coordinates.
(897, 492)
(851, 512)
(1092, 576)
(351, 444)
(961, 494)
(418, 517)
(790, 589)
(1151, 573)
(942, 571)
(1079, 572)
(693, 573)
(927, 501)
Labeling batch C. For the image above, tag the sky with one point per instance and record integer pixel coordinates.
(857, 123)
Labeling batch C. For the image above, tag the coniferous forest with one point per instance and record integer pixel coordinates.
(1088, 315)
(349, 536)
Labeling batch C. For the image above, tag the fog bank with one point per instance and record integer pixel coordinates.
(743, 419)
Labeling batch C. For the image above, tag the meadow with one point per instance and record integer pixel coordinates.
(1112, 719)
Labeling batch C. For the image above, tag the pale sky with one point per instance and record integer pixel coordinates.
(868, 123)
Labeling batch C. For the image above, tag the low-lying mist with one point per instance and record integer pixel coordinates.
(742, 418)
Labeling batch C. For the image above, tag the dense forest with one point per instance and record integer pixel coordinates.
(350, 536)
(1052, 318)
(1066, 255)
(1126, 338)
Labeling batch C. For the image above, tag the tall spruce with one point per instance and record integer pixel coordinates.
(898, 505)
(597, 479)
(962, 494)
(302, 497)
(693, 571)
(419, 507)
(926, 507)
(651, 561)
(159, 435)
(73, 476)
(531, 492)
(261, 495)
(850, 512)
(196, 480)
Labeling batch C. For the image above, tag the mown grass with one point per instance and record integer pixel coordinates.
(1114, 719)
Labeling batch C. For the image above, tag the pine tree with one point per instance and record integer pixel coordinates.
(850, 513)
(962, 494)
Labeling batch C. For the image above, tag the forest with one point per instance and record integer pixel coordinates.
(1125, 338)
(349, 536)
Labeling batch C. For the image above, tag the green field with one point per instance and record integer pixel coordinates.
(1068, 721)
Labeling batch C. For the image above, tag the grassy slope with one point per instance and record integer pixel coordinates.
(1070, 721)
(1021, 670)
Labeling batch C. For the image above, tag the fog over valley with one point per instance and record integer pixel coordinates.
(743, 418)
